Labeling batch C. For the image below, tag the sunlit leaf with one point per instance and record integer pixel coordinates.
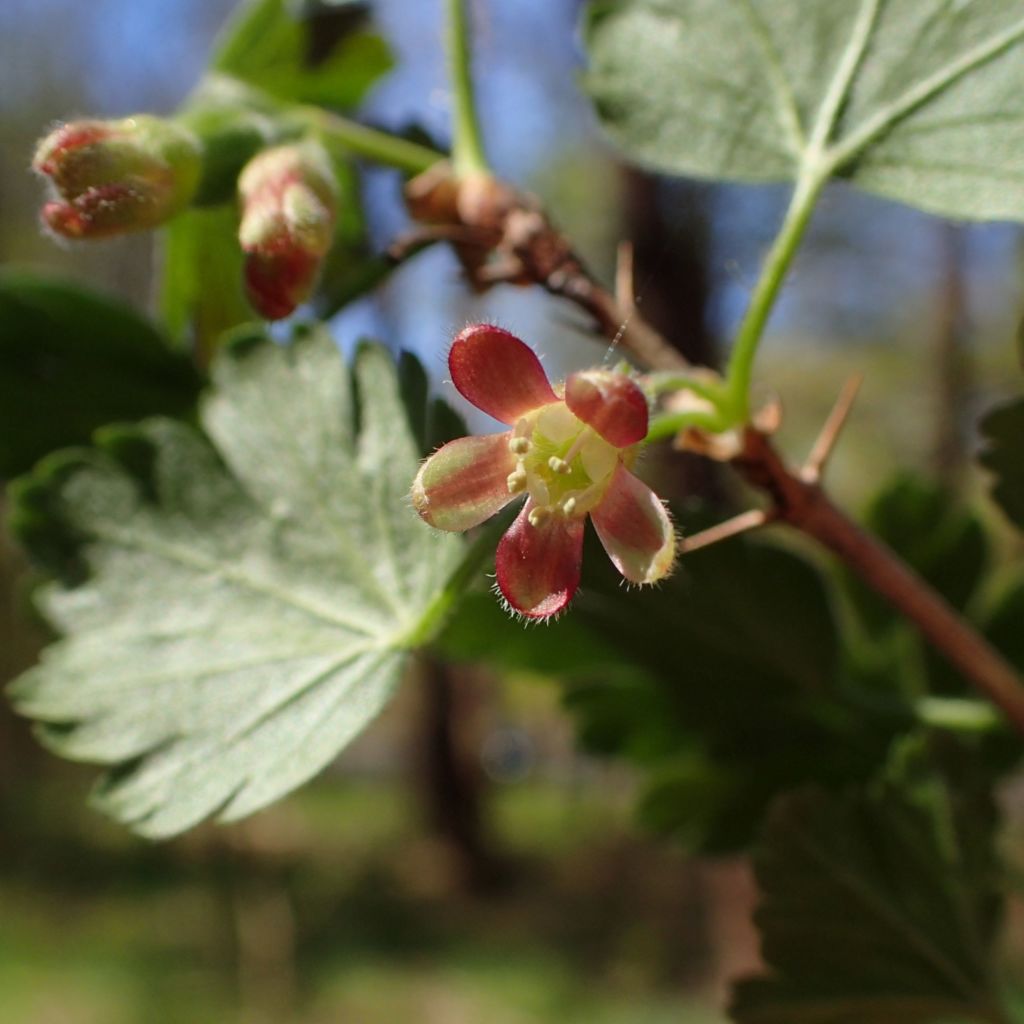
(918, 100)
(233, 610)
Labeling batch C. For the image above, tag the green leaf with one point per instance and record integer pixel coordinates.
(267, 47)
(918, 100)
(71, 360)
(1003, 455)
(351, 268)
(878, 907)
(201, 291)
(726, 677)
(949, 547)
(242, 606)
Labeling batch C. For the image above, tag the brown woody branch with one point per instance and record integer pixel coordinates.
(523, 246)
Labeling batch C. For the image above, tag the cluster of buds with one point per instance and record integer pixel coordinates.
(289, 198)
(569, 451)
(112, 177)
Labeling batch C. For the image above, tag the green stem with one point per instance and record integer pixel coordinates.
(670, 425)
(381, 147)
(466, 573)
(808, 187)
(467, 148)
(661, 382)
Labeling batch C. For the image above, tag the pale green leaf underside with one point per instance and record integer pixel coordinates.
(918, 100)
(241, 619)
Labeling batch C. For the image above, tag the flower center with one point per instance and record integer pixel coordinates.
(561, 462)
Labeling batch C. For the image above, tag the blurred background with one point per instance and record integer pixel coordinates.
(463, 862)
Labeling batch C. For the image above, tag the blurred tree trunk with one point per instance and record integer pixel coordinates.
(668, 224)
(953, 380)
(669, 227)
(449, 773)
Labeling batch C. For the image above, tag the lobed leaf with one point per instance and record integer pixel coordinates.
(235, 607)
(918, 100)
(878, 906)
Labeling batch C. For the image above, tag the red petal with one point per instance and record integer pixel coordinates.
(635, 529)
(498, 373)
(464, 482)
(538, 567)
(609, 402)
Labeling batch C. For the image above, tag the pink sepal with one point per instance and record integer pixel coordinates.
(635, 529)
(464, 482)
(538, 567)
(498, 373)
(609, 402)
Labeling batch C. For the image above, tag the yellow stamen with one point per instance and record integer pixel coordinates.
(517, 481)
(538, 515)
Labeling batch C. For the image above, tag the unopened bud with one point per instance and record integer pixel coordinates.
(431, 197)
(117, 176)
(484, 202)
(289, 198)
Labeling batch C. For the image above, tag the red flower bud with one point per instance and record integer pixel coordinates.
(289, 198)
(116, 176)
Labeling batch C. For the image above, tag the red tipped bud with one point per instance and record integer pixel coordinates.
(111, 177)
(289, 198)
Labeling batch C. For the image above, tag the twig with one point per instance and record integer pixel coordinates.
(743, 523)
(805, 506)
(545, 257)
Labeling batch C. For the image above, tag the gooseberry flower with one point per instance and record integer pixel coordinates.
(288, 197)
(569, 451)
(117, 176)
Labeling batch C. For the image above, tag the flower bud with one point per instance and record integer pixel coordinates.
(117, 176)
(289, 198)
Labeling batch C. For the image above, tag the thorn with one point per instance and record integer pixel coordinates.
(823, 447)
(743, 523)
(625, 294)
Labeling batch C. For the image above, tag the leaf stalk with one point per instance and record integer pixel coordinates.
(467, 146)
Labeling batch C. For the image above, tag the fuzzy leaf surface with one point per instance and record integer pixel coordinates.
(918, 100)
(236, 607)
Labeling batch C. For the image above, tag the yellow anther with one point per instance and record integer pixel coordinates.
(568, 507)
(517, 481)
(519, 445)
(558, 465)
(538, 515)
